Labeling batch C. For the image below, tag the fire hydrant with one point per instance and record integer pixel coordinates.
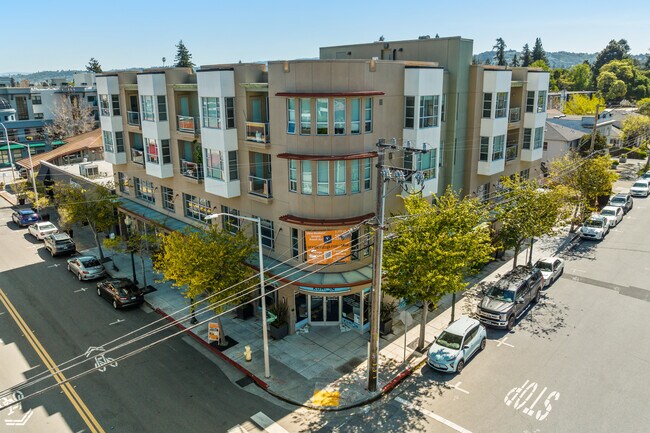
(248, 355)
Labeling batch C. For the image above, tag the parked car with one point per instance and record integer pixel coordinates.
(86, 267)
(462, 339)
(59, 243)
(595, 227)
(552, 268)
(623, 200)
(507, 299)
(613, 215)
(641, 188)
(645, 175)
(121, 292)
(41, 229)
(24, 217)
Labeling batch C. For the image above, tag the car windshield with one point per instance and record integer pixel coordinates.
(640, 185)
(449, 340)
(544, 266)
(47, 226)
(500, 294)
(620, 201)
(90, 263)
(608, 212)
(593, 223)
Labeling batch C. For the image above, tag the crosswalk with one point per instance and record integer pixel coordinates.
(259, 422)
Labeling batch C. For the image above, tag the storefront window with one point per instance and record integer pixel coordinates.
(352, 310)
(366, 308)
(301, 308)
(316, 308)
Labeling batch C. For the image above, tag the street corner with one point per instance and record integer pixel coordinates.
(326, 396)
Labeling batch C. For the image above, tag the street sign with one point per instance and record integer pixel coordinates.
(214, 331)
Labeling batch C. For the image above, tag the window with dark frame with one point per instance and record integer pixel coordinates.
(115, 102)
(487, 105)
(233, 167)
(484, 152)
(409, 112)
(168, 199)
(195, 207)
(162, 107)
(230, 112)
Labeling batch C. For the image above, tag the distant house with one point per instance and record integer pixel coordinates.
(559, 140)
(606, 125)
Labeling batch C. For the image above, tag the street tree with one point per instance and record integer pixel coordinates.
(583, 104)
(207, 263)
(183, 57)
(538, 52)
(580, 76)
(636, 131)
(94, 66)
(91, 205)
(142, 243)
(433, 249)
(500, 55)
(643, 106)
(70, 118)
(526, 56)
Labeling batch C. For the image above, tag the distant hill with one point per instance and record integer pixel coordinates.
(39, 77)
(556, 59)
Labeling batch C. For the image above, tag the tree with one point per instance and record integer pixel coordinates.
(71, 117)
(540, 64)
(538, 51)
(92, 205)
(208, 263)
(183, 57)
(584, 145)
(515, 61)
(500, 56)
(611, 87)
(582, 104)
(526, 56)
(615, 50)
(644, 106)
(580, 77)
(94, 66)
(434, 249)
(636, 131)
(142, 243)
(487, 61)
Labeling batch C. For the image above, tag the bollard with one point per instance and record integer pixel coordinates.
(248, 355)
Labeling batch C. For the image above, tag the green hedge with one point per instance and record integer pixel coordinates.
(632, 153)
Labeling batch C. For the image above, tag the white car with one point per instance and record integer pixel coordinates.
(462, 339)
(551, 267)
(42, 229)
(595, 228)
(613, 215)
(640, 188)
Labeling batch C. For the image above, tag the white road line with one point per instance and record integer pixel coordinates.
(117, 321)
(457, 386)
(503, 341)
(582, 271)
(83, 289)
(238, 429)
(432, 415)
(56, 265)
(267, 423)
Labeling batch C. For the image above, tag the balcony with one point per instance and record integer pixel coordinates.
(137, 156)
(515, 114)
(259, 187)
(187, 124)
(511, 151)
(133, 118)
(192, 170)
(257, 132)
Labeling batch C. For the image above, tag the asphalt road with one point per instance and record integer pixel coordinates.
(172, 387)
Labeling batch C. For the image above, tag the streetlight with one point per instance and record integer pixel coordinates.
(128, 221)
(265, 336)
(11, 161)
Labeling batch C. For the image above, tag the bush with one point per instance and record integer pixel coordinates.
(632, 153)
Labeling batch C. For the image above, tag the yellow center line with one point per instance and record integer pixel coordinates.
(66, 387)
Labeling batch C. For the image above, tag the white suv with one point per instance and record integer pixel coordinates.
(640, 188)
(456, 345)
(596, 227)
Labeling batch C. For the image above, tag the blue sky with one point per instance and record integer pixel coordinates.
(134, 33)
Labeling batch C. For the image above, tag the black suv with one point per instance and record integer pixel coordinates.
(622, 200)
(59, 243)
(507, 299)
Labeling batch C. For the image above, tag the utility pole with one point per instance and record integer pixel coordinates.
(593, 131)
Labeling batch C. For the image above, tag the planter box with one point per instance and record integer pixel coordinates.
(279, 332)
(386, 327)
(245, 311)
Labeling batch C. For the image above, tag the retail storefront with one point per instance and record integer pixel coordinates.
(318, 307)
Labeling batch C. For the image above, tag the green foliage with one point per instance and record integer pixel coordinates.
(538, 52)
(500, 55)
(611, 87)
(94, 66)
(644, 106)
(584, 145)
(386, 310)
(515, 61)
(281, 311)
(583, 104)
(540, 64)
(580, 77)
(209, 262)
(615, 50)
(636, 131)
(629, 152)
(526, 56)
(183, 57)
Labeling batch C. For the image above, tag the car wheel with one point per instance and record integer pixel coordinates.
(483, 343)
(115, 304)
(99, 291)
(460, 366)
(538, 296)
(52, 253)
(511, 323)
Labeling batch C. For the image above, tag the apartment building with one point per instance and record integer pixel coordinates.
(294, 143)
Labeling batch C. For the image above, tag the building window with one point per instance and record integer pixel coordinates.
(485, 149)
(293, 175)
(123, 183)
(443, 102)
(409, 112)
(541, 101)
(119, 141)
(108, 141)
(291, 116)
(210, 109)
(195, 207)
(38, 116)
(427, 164)
(539, 137)
(162, 107)
(497, 147)
(322, 113)
(530, 102)
(367, 174)
(306, 179)
(368, 116)
(229, 220)
(233, 168)
(355, 123)
(305, 116)
(339, 178)
(115, 102)
(339, 116)
(487, 105)
(483, 191)
(147, 108)
(527, 136)
(214, 164)
(104, 108)
(355, 182)
(144, 190)
(168, 198)
(295, 239)
(545, 145)
(501, 109)
(323, 187)
(354, 245)
(36, 100)
(524, 174)
(166, 152)
(230, 112)
(152, 151)
(268, 236)
(21, 108)
(426, 111)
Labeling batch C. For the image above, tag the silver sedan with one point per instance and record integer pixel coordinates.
(86, 267)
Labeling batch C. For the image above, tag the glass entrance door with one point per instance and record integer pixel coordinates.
(324, 310)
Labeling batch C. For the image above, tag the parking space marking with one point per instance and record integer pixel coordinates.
(83, 289)
(503, 341)
(117, 321)
(582, 271)
(56, 265)
(457, 386)
(432, 415)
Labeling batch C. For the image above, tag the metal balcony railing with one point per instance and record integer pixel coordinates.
(137, 156)
(511, 151)
(187, 124)
(133, 117)
(191, 169)
(258, 132)
(259, 186)
(515, 114)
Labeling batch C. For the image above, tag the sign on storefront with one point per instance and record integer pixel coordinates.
(326, 246)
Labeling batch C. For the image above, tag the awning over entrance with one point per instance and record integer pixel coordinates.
(159, 218)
